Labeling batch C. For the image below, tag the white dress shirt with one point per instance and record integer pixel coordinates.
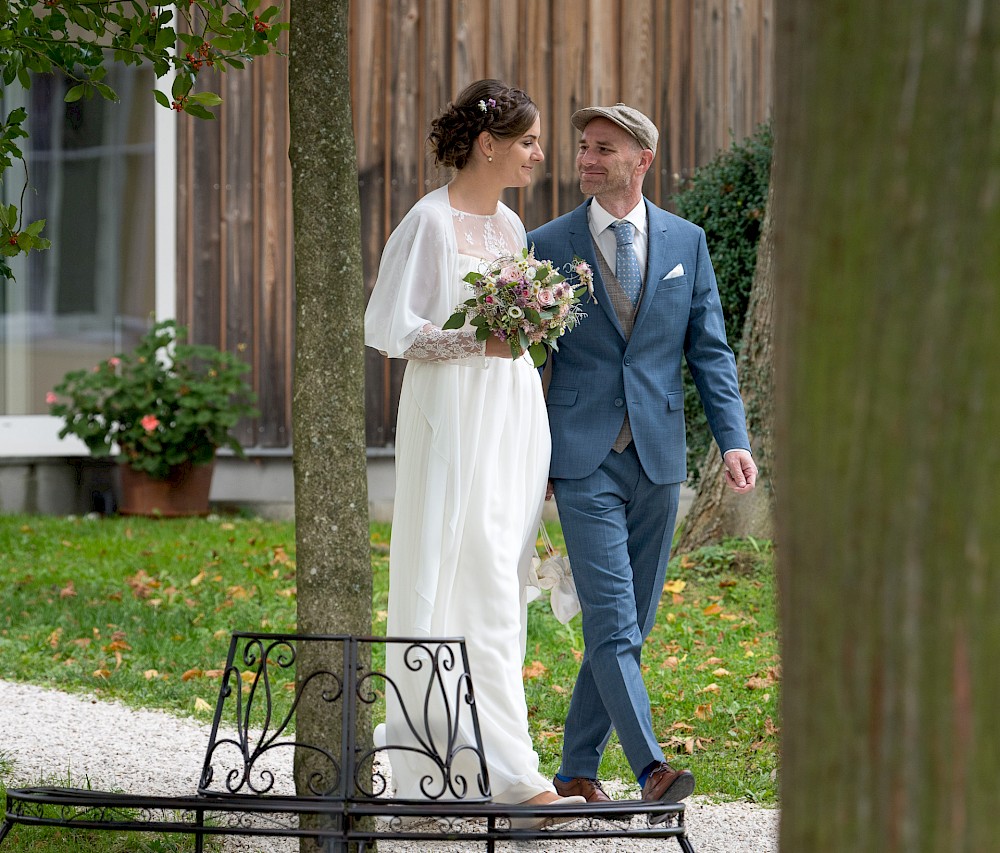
(604, 236)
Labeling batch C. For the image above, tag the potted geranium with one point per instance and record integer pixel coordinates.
(165, 407)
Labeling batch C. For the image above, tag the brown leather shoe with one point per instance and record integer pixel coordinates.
(589, 789)
(668, 785)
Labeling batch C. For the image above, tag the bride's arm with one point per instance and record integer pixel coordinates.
(435, 344)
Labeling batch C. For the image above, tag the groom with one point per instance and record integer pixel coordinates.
(616, 413)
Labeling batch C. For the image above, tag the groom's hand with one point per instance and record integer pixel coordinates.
(740, 471)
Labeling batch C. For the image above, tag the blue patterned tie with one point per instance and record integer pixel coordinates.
(626, 263)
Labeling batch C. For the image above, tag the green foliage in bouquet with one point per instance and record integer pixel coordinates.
(165, 403)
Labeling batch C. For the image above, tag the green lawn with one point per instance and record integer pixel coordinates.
(140, 610)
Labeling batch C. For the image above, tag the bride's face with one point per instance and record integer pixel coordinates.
(519, 156)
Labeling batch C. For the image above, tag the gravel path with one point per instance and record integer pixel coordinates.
(57, 738)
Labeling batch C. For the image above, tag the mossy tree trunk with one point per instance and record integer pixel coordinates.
(887, 296)
(334, 580)
(717, 512)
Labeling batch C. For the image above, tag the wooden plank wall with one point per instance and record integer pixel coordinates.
(701, 69)
(234, 252)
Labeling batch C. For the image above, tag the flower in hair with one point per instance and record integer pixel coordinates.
(489, 102)
(482, 106)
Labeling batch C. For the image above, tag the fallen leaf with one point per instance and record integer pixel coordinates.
(101, 673)
(201, 705)
(675, 586)
(712, 609)
(727, 583)
(287, 593)
(721, 672)
(558, 688)
(214, 673)
(142, 584)
(192, 673)
(680, 725)
(68, 591)
(150, 674)
(671, 662)
(710, 688)
(197, 579)
(55, 637)
(536, 669)
(703, 712)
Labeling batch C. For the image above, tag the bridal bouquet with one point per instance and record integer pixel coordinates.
(526, 302)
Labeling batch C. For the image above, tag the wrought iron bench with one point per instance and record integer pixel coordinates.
(246, 785)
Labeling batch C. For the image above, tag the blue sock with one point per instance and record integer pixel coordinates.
(645, 773)
(562, 778)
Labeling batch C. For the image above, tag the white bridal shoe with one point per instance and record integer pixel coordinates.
(541, 821)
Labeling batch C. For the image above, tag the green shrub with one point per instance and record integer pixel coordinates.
(727, 198)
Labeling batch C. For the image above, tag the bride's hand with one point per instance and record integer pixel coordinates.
(497, 348)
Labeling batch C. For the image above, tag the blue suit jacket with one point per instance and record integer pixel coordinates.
(595, 373)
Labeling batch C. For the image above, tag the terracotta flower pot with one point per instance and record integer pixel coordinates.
(184, 492)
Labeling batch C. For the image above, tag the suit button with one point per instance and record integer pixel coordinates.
(619, 402)
(628, 359)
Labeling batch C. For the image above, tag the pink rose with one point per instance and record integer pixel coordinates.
(51, 398)
(114, 361)
(511, 273)
(150, 422)
(546, 297)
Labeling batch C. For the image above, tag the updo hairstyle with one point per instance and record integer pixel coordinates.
(491, 105)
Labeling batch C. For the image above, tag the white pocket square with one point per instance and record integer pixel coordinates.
(676, 272)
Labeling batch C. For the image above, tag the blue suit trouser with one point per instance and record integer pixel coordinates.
(618, 527)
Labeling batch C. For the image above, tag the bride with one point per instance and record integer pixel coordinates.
(472, 441)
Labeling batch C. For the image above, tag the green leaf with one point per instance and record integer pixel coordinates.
(198, 111)
(483, 332)
(472, 277)
(206, 99)
(106, 92)
(161, 98)
(537, 353)
(181, 86)
(455, 321)
(522, 339)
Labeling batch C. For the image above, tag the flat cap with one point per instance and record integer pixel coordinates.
(627, 118)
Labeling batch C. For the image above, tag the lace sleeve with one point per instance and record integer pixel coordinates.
(434, 344)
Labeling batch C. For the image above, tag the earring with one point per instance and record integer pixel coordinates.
(489, 159)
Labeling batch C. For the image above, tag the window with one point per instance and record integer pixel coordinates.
(91, 176)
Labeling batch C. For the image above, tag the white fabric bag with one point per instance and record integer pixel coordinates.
(552, 572)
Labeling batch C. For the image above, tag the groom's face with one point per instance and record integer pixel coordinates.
(607, 159)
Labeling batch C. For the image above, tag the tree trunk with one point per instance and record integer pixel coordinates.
(887, 261)
(334, 580)
(717, 512)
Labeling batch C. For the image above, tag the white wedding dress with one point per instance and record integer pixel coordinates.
(472, 456)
